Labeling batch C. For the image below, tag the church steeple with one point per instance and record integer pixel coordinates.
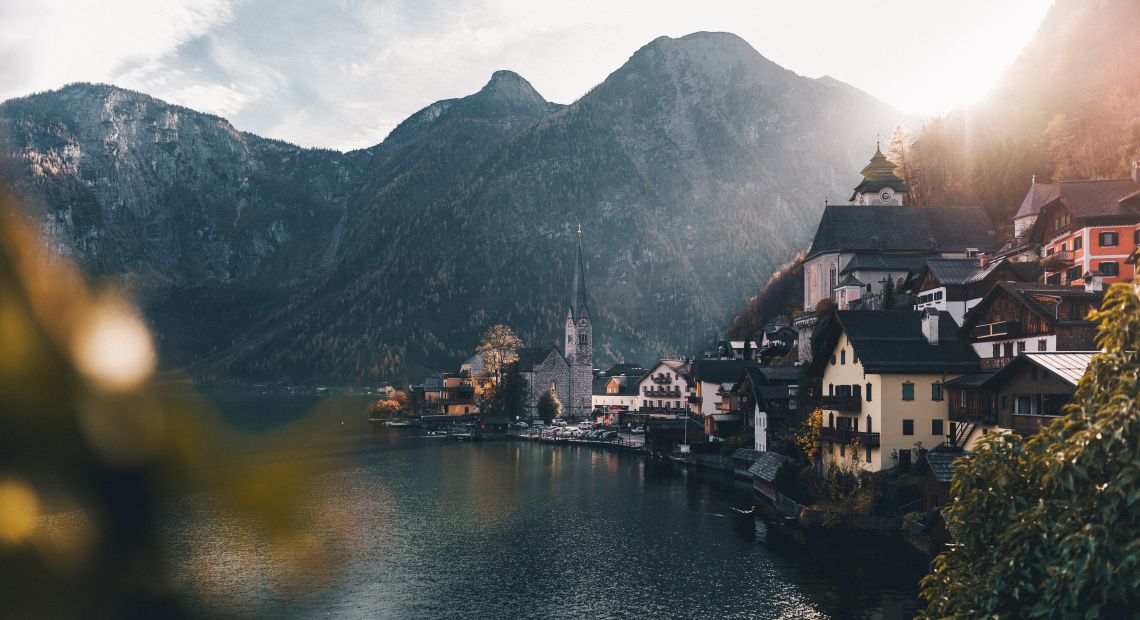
(578, 307)
(880, 185)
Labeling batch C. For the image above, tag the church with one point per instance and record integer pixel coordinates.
(570, 371)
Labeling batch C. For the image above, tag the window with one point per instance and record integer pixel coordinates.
(1042, 345)
(1064, 247)
(868, 392)
(583, 339)
(868, 449)
(936, 428)
(855, 389)
(830, 389)
(1021, 347)
(1009, 349)
(1073, 274)
(935, 391)
(997, 351)
(843, 356)
(854, 356)
(908, 427)
(1022, 405)
(1109, 268)
(908, 391)
(869, 429)
(1078, 243)
(962, 399)
(832, 359)
(1109, 239)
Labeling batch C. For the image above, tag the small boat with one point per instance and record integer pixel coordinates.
(397, 423)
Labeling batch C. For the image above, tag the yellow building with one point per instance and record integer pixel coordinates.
(882, 383)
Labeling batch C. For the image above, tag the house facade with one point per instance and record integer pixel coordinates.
(544, 369)
(883, 384)
(665, 390)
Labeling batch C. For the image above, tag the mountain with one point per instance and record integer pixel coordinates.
(1067, 109)
(695, 169)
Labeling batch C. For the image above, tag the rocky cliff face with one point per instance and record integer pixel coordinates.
(129, 185)
(695, 169)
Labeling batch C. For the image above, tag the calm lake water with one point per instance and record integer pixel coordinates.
(423, 528)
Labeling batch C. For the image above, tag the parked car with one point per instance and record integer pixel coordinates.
(637, 430)
(558, 423)
(610, 435)
(585, 426)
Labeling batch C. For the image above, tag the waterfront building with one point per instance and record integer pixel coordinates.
(664, 391)
(615, 392)
(1024, 395)
(882, 381)
(544, 369)
(711, 379)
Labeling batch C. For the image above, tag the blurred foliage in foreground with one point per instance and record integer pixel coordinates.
(86, 432)
(1049, 526)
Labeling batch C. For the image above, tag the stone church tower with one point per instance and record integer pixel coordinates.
(579, 343)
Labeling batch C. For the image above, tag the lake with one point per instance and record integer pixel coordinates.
(424, 528)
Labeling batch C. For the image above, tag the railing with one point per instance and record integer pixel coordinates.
(1000, 329)
(696, 400)
(661, 409)
(995, 362)
(985, 416)
(1030, 424)
(1057, 260)
(651, 393)
(842, 403)
(846, 436)
(662, 379)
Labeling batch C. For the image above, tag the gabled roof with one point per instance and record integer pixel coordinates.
(850, 280)
(1068, 366)
(942, 462)
(535, 356)
(1042, 299)
(891, 342)
(746, 454)
(1038, 195)
(895, 229)
(767, 465)
(1090, 200)
(781, 374)
(718, 371)
(889, 262)
(627, 386)
(678, 366)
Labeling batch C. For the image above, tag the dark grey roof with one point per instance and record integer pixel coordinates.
(1035, 296)
(891, 341)
(746, 454)
(670, 425)
(627, 385)
(850, 280)
(719, 371)
(534, 356)
(950, 271)
(879, 262)
(781, 374)
(433, 383)
(942, 463)
(891, 228)
(971, 381)
(1038, 195)
(767, 465)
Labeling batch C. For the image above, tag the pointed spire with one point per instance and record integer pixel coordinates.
(578, 290)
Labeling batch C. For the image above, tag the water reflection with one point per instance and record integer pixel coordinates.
(428, 528)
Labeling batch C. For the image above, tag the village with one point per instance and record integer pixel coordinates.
(920, 332)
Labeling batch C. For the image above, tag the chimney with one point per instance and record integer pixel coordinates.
(1136, 171)
(930, 325)
(983, 260)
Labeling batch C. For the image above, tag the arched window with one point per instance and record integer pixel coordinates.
(868, 392)
(834, 280)
(843, 356)
(869, 429)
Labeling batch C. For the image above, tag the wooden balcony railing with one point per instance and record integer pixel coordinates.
(1057, 260)
(846, 436)
(1000, 329)
(852, 404)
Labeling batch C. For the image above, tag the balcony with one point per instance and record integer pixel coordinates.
(1000, 329)
(989, 363)
(972, 415)
(652, 393)
(846, 436)
(1030, 424)
(696, 400)
(1057, 260)
(662, 379)
(850, 404)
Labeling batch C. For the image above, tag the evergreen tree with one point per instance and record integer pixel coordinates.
(549, 407)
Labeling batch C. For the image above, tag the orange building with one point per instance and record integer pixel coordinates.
(1089, 227)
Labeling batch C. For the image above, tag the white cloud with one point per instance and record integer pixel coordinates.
(53, 42)
(343, 74)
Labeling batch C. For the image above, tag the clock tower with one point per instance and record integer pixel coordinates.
(880, 185)
(579, 343)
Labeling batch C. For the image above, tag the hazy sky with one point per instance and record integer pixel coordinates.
(342, 73)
